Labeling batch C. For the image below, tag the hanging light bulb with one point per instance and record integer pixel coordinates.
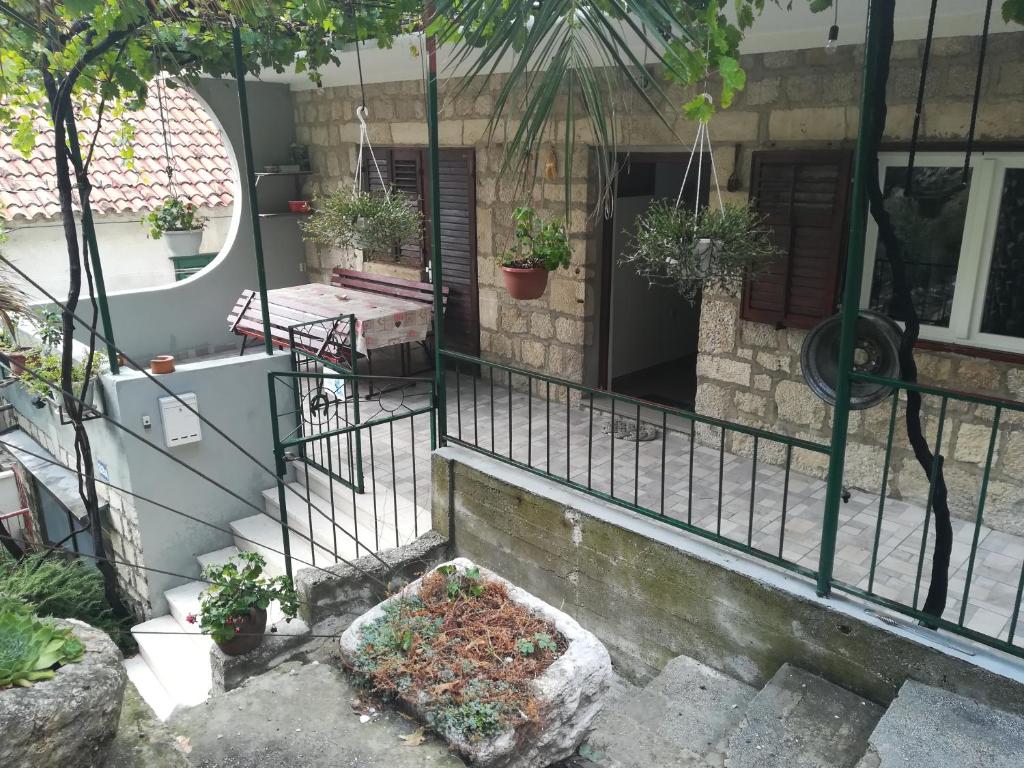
(832, 41)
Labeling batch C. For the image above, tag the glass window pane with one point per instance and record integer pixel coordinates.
(1003, 312)
(930, 224)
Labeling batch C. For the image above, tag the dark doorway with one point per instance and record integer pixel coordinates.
(648, 339)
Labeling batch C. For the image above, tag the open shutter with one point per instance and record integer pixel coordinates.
(458, 250)
(804, 196)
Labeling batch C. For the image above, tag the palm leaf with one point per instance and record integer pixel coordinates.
(569, 60)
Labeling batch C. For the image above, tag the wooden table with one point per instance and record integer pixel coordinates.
(380, 320)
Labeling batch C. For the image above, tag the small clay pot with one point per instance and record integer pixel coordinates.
(525, 284)
(17, 362)
(162, 364)
(250, 633)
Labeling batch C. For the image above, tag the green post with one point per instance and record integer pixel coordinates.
(851, 302)
(436, 276)
(99, 285)
(250, 179)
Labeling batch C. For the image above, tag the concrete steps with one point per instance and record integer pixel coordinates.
(691, 715)
(929, 726)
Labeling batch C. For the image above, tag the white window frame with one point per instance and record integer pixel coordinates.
(987, 176)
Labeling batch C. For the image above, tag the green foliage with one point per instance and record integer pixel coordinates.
(62, 588)
(173, 215)
(540, 641)
(30, 649)
(538, 244)
(378, 222)
(712, 248)
(236, 587)
(44, 379)
(394, 633)
(472, 720)
(468, 584)
(50, 325)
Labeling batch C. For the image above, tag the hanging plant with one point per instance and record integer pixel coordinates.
(377, 222)
(539, 247)
(174, 215)
(710, 248)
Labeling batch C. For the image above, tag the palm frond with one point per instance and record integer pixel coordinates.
(569, 60)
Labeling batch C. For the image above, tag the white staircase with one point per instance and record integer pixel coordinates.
(173, 666)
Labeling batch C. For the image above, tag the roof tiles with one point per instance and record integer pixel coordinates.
(202, 170)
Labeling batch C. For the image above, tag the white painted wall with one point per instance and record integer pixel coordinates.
(131, 260)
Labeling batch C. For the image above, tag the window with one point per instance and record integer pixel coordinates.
(803, 196)
(963, 247)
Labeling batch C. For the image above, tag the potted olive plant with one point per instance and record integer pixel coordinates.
(377, 222)
(539, 248)
(233, 610)
(178, 223)
(710, 248)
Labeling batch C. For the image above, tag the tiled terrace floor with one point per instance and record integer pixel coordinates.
(715, 496)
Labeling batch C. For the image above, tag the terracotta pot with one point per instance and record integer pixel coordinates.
(250, 633)
(299, 206)
(525, 284)
(162, 364)
(17, 362)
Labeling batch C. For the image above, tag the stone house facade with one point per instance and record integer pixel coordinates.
(747, 372)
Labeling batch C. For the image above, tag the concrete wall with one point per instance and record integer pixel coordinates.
(188, 318)
(131, 260)
(651, 592)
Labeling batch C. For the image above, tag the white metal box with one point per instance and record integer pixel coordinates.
(181, 426)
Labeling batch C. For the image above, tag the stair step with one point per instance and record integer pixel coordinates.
(931, 727)
(184, 600)
(219, 557)
(799, 720)
(150, 689)
(677, 719)
(180, 661)
(260, 533)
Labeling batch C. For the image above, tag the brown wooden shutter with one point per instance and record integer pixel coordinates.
(804, 195)
(402, 170)
(458, 250)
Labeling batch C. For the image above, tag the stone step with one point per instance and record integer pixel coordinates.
(184, 601)
(677, 719)
(259, 533)
(180, 661)
(219, 557)
(150, 689)
(799, 720)
(931, 727)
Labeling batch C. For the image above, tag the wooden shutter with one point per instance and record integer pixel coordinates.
(402, 170)
(804, 195)
(458, 250)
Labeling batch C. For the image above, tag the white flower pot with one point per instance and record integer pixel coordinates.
(183, 243)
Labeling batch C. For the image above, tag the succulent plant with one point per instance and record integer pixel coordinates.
(30, 649)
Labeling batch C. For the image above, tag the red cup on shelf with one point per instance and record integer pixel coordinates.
(299, 206)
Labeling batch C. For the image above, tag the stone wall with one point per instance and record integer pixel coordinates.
(651, 592)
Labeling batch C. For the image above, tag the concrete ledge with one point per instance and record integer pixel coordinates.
(351, 590)
(291, 641)
(652, 592)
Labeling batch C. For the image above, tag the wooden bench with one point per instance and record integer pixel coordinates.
(392, 286)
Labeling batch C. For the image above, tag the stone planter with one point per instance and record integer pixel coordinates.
(569, 693)
(182, 243)
(70, 720)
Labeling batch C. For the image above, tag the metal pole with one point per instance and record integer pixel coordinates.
(851, 299)
(436, 275)
(100, 285)
(250, 179)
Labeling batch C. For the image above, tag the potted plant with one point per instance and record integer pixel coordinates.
(692, 250)
(179, 224)
(44, 381)
(233, 610)
(540, 247)
(377, 222)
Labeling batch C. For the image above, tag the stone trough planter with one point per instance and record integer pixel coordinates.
(71, 719)
(568, 694)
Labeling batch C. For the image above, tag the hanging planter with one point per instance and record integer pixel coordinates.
(711, 248)
(539, 248)
(377, 222)
(178, 223)
(693, 249)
